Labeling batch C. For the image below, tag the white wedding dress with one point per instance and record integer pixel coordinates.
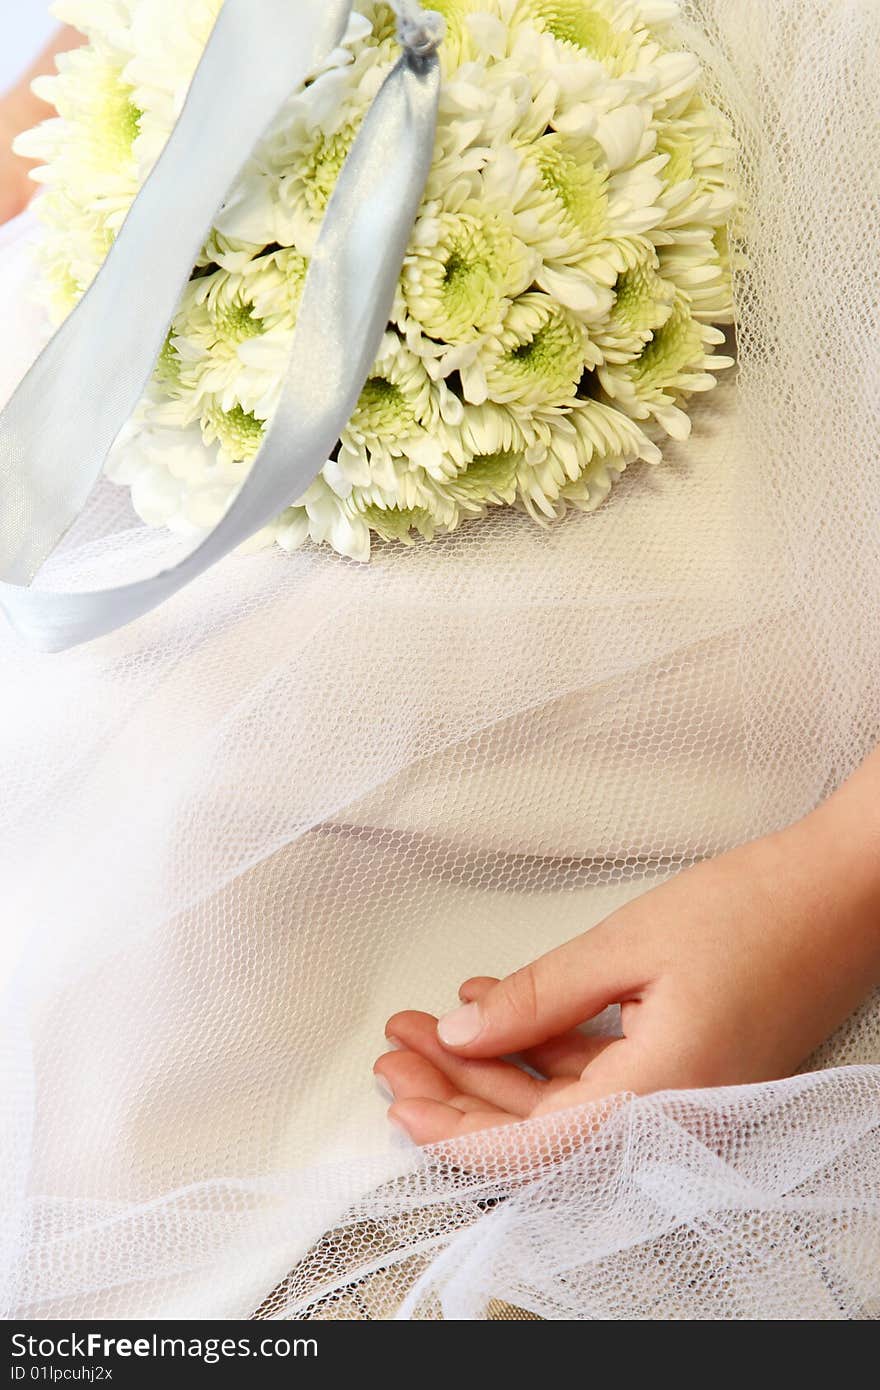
(240, 833)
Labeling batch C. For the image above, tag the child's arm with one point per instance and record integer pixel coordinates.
(733, 972)
(19, 110)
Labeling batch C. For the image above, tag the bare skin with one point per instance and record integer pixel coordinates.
(20, 109)
(731, 973)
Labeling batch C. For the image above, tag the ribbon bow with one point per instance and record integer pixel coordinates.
(59, 426)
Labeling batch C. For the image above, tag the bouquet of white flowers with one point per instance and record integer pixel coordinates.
(561, 298)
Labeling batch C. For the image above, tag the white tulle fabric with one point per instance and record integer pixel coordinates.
(239, 834)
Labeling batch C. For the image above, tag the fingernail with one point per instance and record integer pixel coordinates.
(400, 1127)
(382, 1087)
(461, 1027)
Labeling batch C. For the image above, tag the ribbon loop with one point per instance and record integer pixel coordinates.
(421, 32)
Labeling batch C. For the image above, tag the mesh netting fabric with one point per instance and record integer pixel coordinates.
(307, 793)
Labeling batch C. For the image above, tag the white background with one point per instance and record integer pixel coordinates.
(25, 25)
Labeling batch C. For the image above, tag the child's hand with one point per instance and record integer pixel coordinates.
(731, 973)
(16, 188)
(19, 110)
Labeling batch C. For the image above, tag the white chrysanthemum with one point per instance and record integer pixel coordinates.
(464, 270)
(283, 194)
(696, 151)
(537, 359)
(404, 424)
(231, 338)
(700, 268)
(584, 452)
(588, 222)
(676, 362)
(603, 30)
(562, 293)
(642, 305)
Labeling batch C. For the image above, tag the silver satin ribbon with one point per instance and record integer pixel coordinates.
(57, 430)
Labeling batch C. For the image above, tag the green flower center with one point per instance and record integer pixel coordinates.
(546, 365)
(463, 288)
(489, 475)
(542, 354)
(471, 279)
(577, 184)
(114, 120)
(383, 410)
(681, 158)
(168, 366)
(130, 123)
(323, 165)
(674, 348)
(643, 300)
(457, 270)
(239, 432)
(384, 23)
(721, 242)
(236, 322)
(576, 23)
(396, 523)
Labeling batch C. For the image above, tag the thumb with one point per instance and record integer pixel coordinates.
(554, 993)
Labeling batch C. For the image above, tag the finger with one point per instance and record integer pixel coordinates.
(566, 1056)
(550, 996)
(410, 1075)
(431, 1122)
(622, 1069)
(499, 1083)
(476, 987)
